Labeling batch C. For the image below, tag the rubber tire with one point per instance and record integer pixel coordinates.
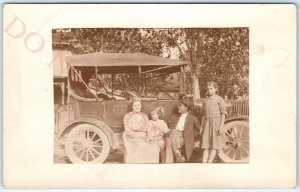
(69, 144)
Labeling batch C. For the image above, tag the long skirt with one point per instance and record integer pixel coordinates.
(138, 150)
(210, 137)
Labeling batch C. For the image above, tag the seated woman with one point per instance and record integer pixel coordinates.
(137, 145)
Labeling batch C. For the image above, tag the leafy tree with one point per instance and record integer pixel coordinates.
(214, 54)
(220, 55)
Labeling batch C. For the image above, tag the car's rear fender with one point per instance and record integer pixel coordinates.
(237, 118)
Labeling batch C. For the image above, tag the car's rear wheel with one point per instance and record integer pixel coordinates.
(87, 143)
(236, 144)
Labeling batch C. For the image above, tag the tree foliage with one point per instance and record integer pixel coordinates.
(214, 54)
(222, 55)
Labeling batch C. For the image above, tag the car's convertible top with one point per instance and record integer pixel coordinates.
(124, 62)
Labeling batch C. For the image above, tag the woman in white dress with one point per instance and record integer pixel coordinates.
(137, 145)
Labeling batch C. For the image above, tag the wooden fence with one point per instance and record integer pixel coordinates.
(240, 107)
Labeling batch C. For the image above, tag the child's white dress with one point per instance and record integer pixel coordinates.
(156, 130)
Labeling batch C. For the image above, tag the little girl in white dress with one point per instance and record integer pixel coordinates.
(157, 127)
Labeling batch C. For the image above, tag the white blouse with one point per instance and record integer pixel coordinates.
(181, 122)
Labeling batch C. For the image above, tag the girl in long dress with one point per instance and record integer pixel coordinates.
(212, 126)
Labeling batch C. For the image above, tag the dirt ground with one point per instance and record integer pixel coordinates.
(60, 156)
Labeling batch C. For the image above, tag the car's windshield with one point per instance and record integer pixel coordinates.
(90, 83)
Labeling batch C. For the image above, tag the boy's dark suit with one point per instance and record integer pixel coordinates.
(191, 123)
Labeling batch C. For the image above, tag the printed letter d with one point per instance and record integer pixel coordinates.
(18, 32)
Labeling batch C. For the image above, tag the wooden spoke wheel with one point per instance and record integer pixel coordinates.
(87, 143)
(236, 143)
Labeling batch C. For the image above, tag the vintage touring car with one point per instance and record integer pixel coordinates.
(90, 123)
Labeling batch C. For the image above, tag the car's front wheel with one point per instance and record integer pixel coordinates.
(87, 143)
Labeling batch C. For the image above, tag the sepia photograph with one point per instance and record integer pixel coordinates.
(149, 95)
